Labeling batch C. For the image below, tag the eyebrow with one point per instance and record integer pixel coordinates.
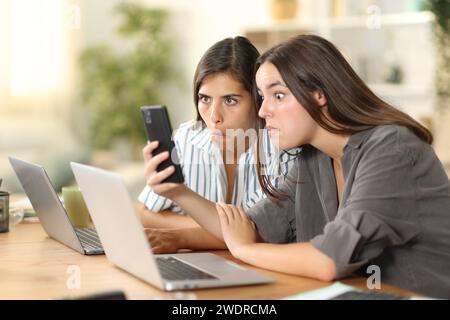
(274, 84)
(232, 95)
(224, 96)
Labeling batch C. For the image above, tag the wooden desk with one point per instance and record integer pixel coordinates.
(33, 266)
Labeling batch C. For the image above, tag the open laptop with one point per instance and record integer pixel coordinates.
(50, 210)
(126, 245)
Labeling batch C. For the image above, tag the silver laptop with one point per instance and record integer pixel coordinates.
(50, 210)
(126, 245)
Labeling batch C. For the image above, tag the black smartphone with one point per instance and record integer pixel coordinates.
(157, 123)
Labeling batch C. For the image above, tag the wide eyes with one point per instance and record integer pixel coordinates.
(228, 100)
(204, 99)
(275, 92)
(279, 96)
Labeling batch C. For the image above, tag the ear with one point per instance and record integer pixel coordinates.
(320, 98)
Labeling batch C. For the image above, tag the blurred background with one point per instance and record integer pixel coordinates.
(73, 73)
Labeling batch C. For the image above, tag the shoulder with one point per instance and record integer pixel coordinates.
(391, 130)
(395, 137)
(398, 143)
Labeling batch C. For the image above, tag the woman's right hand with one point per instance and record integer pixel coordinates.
(155, 178)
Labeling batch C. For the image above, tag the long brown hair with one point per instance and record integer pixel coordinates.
(309, 63)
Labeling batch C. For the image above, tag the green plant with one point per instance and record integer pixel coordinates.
(441, 11)
(114, 85)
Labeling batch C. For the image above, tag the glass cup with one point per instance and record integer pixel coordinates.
(16, 215)
(4, 211)
(76, 207)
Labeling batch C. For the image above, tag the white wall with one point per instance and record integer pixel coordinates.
(4, 52)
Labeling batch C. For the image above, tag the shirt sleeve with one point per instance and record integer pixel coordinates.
(378, 212)
(155, 202)
(275, 220)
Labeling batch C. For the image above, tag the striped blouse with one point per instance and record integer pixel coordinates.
(204, 171)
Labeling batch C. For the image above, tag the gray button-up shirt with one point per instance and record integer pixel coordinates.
(394, 213)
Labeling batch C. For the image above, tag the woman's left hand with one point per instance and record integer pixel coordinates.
(237, 229)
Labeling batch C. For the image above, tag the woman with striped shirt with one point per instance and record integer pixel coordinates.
(217, 152)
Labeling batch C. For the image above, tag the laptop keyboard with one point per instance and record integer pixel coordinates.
(89, 239)
(364, 295)
(174, 269)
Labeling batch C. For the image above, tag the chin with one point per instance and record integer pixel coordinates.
(277, 142)
(283, 144)
(286, 145)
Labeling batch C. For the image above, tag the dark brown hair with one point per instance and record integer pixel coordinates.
(309, 63)
(235, 56)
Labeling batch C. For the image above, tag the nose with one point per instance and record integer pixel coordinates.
(264, 110)
(216, 114)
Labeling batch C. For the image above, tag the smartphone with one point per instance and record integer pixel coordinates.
(157, 124)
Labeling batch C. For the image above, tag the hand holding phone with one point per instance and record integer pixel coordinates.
(157, 124)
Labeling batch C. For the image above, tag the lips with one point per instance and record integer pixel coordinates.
(216, 133)
(271, 130)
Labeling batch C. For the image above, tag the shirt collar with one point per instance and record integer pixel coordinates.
(201, 139)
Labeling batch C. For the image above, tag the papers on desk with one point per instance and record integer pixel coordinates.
(323, 293)
(338, 289)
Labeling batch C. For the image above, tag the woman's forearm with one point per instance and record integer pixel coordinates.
(201, 210)
(164, 219)
(301, 259)
(200, 239)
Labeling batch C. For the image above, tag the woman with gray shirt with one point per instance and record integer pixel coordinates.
(367, 189)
